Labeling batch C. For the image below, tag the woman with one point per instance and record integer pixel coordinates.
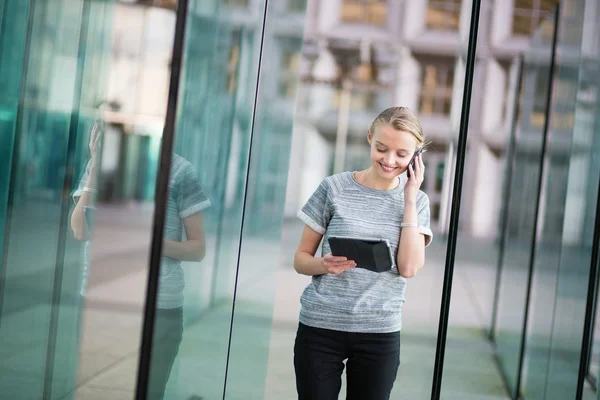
(351, 313)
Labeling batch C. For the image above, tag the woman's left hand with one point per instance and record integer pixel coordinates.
(417, 175)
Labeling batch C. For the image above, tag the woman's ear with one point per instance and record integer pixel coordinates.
(369, 137)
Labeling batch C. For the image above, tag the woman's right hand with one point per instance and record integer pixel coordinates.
(336, 265)
(94, 143)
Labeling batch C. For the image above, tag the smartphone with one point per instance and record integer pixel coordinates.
(412, 161)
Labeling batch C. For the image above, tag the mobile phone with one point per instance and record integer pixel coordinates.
(412, 161)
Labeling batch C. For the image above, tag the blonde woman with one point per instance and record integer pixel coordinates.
(354, 314)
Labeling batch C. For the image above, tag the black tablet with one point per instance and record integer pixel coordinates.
(372, 254)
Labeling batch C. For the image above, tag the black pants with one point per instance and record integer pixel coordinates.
(371, 367)
(168, 333)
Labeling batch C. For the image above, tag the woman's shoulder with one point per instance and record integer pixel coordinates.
(338, 182)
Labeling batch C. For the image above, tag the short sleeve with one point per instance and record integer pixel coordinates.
(82, 181)
(190, 196)
(424, 218)
(316, 213)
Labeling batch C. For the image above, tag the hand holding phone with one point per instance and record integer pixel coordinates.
(412, 161)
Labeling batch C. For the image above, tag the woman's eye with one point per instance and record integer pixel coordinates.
(381, 150)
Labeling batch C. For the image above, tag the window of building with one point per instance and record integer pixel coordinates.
(232, 67)
(443, 15)
(361, 100)
(288, 78)
(528, 14)
(436, 89)
(372, 12)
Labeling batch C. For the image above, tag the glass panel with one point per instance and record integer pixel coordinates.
(470, 370)
(121, 168)
(521, 209)
(553, 222)
(59, 71)
(255, 341)
(209, 197)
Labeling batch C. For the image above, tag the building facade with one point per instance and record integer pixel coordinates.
(413, 60)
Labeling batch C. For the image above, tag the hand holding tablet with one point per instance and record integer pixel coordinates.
(372, 254)
(337, 264)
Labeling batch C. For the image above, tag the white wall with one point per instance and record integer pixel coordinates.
(318, 154)
(486, 189)
(409, 81)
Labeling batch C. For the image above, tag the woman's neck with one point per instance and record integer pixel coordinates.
(370, 179)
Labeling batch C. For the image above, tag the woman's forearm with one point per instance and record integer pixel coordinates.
(190, 250)
(86, 198)
(411, 248)
(306, 264)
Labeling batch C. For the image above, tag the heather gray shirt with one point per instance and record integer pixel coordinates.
(186, 198)
(358, 300)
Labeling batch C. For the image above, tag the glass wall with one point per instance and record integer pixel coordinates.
(144, 156)
(52, 62)
(528, 165)
(225, 202)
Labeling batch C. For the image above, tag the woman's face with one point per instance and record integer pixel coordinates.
(391, 151)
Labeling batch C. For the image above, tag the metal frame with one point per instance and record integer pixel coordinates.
(544, 150)
(456, 200)
(161, 200)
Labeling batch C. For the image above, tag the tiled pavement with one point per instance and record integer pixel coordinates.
(261, 355)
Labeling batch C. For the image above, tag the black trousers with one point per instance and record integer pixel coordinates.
(371, 367)
(168, 333)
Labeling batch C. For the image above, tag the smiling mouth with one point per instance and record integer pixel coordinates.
(386, 168)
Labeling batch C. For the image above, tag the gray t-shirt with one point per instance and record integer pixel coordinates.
(186, 198)
(358, 300)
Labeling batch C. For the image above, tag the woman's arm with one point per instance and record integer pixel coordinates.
(194, 248)
(306, 263)
(78, 223)
(86, 198)
(411, 248)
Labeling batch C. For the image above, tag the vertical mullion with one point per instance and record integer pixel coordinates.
(161, 199)
(536, 217)
(456, 199)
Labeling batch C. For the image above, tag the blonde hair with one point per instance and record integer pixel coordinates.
(401, 119)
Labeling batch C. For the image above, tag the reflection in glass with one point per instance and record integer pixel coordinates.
(549, 252)
(521, 211)
(52, 82)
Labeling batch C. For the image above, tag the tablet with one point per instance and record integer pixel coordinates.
(372, 254)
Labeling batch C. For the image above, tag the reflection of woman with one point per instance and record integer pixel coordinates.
(184, 213)
(351, 313)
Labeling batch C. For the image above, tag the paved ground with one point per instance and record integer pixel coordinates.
(261, 350)
(266, 311)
